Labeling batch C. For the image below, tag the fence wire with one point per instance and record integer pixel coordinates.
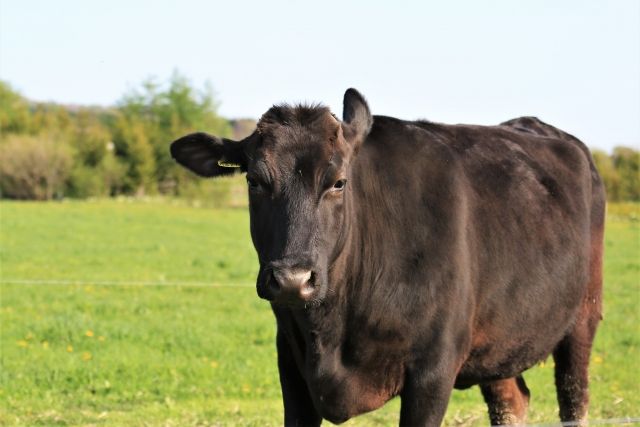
(610, 421)
(12, 281)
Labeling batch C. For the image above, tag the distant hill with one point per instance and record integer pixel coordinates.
(242, 128)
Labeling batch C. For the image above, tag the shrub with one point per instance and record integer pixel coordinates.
(34, 167)
(102, 180)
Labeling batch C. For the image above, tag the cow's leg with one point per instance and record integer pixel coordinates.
(298, 406)
(507, 400)
(572, 364)
(425, 397)
(572, 353)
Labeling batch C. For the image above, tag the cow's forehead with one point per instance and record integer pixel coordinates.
(311, 117)
(298, 125)
(293, 135)
(295, 152)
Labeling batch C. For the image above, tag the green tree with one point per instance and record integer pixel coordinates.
(91, 138)
(608, 173)
(51, 118)
(131, 142)
(627, 164)
(15, 116)
(168, 114)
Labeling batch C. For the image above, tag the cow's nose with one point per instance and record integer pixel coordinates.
(292, 283)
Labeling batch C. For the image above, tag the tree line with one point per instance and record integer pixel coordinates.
(52, 151)
(49, 150)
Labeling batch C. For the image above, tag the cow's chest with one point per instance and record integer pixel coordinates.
(349, 372)
(341, 389)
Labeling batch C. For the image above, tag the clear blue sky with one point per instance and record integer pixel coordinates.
(574, 64)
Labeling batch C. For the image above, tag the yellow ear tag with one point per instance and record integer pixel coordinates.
(223, 163)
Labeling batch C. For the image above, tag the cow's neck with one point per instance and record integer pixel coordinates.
(359, 275)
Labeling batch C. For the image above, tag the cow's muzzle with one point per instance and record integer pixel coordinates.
(288, 285)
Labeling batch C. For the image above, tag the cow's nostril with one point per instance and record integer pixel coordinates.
(312, 280)
(307, 289)
(273, 283)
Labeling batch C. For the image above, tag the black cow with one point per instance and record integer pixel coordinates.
(408, 258)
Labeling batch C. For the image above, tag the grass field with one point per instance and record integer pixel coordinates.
(147, 316)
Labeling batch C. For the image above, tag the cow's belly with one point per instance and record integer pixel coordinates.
(488, 364)
(507, 352)
(521, 322)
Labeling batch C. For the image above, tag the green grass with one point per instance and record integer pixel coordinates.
(192, 354)
(106, 240)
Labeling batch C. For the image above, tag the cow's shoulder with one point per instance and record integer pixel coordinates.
(412, 140)
(405, 163)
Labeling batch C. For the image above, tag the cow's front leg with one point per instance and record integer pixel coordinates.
(298, 406)
(425, 397)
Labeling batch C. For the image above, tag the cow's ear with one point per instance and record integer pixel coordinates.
(208, 155)
(356, 117)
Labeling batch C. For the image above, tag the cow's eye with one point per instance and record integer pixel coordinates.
(252, 183)
(339, 185)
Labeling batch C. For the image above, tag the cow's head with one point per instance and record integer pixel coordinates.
(298, 166)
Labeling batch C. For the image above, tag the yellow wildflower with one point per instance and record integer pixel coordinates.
(86, 356)
(101, 338)
(214, 364)
(69, 349)
(45, 344)
(89, 333)
(23, 343)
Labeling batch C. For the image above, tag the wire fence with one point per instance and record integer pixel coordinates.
(12, 281)
(610, 421)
